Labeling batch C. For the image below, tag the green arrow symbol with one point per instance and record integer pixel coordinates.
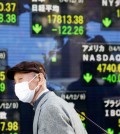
(37, 28)
(110, 131)
(87, 77)
(106, 22)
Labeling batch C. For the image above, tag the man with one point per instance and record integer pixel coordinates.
(53, 115)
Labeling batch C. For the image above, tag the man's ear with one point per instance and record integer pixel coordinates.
(41, 78)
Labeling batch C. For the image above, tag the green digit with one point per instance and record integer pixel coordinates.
(114, 78)
(118, 77)
(59, 29)
(109, 79)
(69, 32)
(13, 18)
(81, 30)
(8, 17)
(2, 87)
(76, 30)
(1, 18)
(64, 30)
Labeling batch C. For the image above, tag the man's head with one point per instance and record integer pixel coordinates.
(29, 78)
(26, 67)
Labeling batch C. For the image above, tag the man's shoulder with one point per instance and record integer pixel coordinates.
(53, 100)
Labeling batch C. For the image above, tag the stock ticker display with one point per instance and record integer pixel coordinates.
(111, 110)
(78, 41)
(9, 109)
(105, 61)
(9, 117)
(48, 18)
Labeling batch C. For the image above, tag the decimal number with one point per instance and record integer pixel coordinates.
(112, 78)
(65, 19)
(108, 67)
(69, 30)
(9, 126)
(8, 18)
(7, 7)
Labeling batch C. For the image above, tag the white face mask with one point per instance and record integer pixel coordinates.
(23, 92)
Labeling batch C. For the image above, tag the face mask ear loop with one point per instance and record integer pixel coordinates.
(36, 89)
(33, 78)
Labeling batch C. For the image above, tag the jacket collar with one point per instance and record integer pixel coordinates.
(38, 100)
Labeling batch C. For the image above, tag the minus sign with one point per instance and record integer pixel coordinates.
(54, 29)
(104, 78)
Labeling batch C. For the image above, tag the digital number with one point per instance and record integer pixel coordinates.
(69, 30)
(1, 18)
(2, 87)
(3, 126)
(65, 19)
(112, 78)
(2, 76)
(119, 122)
(8, 18)
(9, 126)
(108, 67)
(7, 7)
(12, 126)
(82, 117)
(78, 19)
(118, 13)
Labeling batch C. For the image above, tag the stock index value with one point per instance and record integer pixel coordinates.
(49, 19)
(104, 59)
(8, 12)
(9, 124)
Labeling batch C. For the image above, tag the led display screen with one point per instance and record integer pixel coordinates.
(78, 42)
